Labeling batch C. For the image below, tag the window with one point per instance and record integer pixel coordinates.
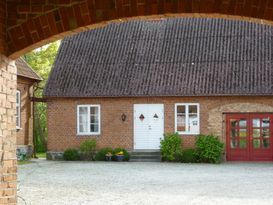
(18, 109)
(88, 120)
(187, 119)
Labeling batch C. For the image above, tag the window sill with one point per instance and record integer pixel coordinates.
(18, 128)
(88, 135)
(188, 134)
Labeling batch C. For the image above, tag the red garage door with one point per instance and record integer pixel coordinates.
(249, 137)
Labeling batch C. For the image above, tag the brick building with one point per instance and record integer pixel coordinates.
(127, 84)
(25, 25)
(26, 80)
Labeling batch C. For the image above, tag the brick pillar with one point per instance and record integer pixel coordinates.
(8, 168)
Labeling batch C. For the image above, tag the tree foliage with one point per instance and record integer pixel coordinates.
(41, 60)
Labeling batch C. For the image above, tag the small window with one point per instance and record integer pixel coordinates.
(88, 120)
(187, 119)
(18, 109)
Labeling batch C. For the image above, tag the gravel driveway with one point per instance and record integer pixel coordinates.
(49, 183)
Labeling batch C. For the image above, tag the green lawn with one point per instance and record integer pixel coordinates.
(24, 162)
(41, 155)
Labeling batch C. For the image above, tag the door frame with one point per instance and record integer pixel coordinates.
(134, 129)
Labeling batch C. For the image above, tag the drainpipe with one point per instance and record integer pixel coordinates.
(35, 88)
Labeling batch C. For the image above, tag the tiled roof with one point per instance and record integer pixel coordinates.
(24, 70)
(170, 57)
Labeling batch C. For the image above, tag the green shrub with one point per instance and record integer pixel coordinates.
(88, 148)
(125, 153)
(71, 155)
(188, 156)
(100, 155)
(209, 149)
(171, 147)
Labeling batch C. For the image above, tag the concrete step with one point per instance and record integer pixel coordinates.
(145, 153)
(145, 160)
(145, 156)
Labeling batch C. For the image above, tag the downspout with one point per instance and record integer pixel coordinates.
(35, 87)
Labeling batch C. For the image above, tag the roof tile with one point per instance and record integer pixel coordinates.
(171, 57)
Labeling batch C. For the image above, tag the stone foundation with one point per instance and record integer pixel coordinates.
(54, 156)
(26, 150)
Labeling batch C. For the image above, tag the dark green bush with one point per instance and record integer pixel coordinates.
(100, 155)
(88, 149)
(171, 147)
(125, 153)
(188, 156)
(209, 149)
(71, 155)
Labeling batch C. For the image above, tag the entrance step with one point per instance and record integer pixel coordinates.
(145, 156)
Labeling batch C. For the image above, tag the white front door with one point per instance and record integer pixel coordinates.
(148, 125)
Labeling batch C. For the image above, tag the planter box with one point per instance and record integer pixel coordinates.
(120, 158)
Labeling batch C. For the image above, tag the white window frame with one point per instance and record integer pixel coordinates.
(187, 132)
(18, 126)
(88, 120)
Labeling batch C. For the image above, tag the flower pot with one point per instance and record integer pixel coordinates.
(120, 158)
(108, 158)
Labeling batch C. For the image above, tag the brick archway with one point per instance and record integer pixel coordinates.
(27, 24)
(32, 23)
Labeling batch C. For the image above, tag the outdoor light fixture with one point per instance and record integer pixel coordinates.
(123, 117)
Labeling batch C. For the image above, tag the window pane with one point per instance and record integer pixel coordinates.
(181, 123)
(256, 133)
(17, 116)
(242, 133)
(83, 119)
(84, 127)
(181, 109)
(234, 123)
(256, 144)
(266, 143)
(17, 121)
(17, 110)
(94, 110)
(266, 133)
(193, 123)
(233, 133)
(243, 143)
(94, 119)
(265, 122)
(234, 143)
(242, 123)
(256, 122)
(83, 110)
(17, 97)
(193, 109)
(94, 127)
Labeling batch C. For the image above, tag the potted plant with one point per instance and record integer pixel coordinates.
(108, 156)
(120, 156)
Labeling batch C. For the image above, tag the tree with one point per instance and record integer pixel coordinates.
(41, 60)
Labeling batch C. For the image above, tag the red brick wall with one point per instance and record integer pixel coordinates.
(62, 119)
(35, 23)
(2, 27)
(25, 133)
